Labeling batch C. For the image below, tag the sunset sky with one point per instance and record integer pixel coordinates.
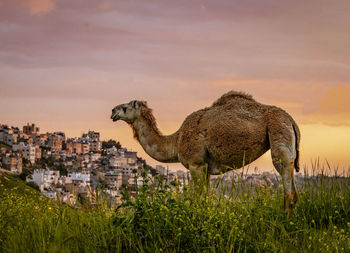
(65, 64)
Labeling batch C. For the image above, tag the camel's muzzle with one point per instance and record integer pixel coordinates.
(114, 116)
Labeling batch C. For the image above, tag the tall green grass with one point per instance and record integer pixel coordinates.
(169, 219)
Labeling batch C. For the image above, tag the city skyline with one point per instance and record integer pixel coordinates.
(263, 163)
(64, 65)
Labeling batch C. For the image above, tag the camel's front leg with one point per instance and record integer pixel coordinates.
(200, 175)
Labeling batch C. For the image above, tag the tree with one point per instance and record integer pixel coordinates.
(110, 143)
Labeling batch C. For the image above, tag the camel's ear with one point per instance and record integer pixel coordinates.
(135, 104)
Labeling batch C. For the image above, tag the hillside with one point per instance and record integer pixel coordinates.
(30, 222)
(163, 220)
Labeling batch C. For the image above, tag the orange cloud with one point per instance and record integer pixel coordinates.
(106, 6)
(40, 6)
(333, 108)
(336, 100)
(35, 7)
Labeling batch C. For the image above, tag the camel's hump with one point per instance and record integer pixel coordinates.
(232, 95)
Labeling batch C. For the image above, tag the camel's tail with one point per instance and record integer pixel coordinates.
(297, 142)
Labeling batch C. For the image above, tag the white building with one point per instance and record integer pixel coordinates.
(139, 180)
(65, 180)
(45, 178)
(50, 194)
(172, 175)
(68, 198)
(80, 179)
(161, 169)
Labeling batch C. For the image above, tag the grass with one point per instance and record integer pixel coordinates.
(195, 219)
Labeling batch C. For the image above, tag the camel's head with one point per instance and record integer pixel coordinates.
(128, 112)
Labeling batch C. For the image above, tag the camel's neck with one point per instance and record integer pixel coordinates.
(161, 148)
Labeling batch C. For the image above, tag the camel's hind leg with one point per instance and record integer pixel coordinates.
(283, 152)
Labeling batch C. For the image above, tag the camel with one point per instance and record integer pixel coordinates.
(235, 130)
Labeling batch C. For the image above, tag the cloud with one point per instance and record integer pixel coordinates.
(259, 39)
(335, 101)
(35, 7)
(334, 107)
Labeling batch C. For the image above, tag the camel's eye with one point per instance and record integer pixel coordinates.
(124, 109)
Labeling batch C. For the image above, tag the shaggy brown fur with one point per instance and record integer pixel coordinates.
(233, 132)
(231, 95)
(147, 115)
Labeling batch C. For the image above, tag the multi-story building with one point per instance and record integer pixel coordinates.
(85, 148)
(73, 147)
(9, 135)
(115, 161)
(113, 151)
(45, 178)
(68, 197)
(12, 162)
(40, 140)
(161, 169)
(65, 180)
(11, 139)
(54, 141)
(80, 179)
(62, 134)
(27, 150)
(114, 179)
(94, 157)
(131, 157)
(2, 134)
(95, 146)
(132, 182)
(94, 135)
(30, 129)
(38, 152)
(127, 172)
(172, 175)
